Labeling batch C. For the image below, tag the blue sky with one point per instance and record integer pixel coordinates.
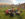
(12, 1)
(19, 1)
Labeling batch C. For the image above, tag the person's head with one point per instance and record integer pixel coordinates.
(18, 8)
(12, 8)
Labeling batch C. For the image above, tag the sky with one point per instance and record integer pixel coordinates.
(12, 1)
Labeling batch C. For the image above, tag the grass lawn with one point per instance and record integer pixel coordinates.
(2, 15)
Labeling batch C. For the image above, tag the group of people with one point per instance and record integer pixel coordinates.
(12, 11)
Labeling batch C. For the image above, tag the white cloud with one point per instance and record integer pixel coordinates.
(13, 1)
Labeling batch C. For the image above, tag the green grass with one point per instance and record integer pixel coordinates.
(3, 16)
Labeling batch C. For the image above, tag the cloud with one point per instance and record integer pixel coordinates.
(12, 1)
